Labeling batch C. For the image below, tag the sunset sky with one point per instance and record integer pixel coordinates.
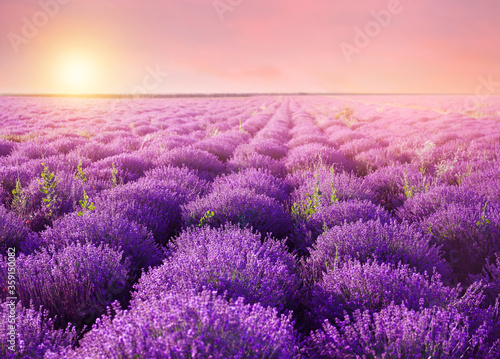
(224, 46)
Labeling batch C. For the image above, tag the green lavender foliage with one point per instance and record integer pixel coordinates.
(48, 184)
(483, 221)
(114, 178)
(85, 203)
(313, 202)
(206, 217)
(19, 199)
(411, 190)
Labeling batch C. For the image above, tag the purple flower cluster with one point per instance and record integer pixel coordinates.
(491, 276)
(245, 157)
(33, 331)
(373, 286)
(313, 155)
(399, 332)
(332, 187)
(423, 205)
(231, 261)
(12, 231)
(260, 181)
(184, 181)
(185, 324)
(75, 283)
(6, 147)
(240, 206)
(342, 212)
(269, 147)
(113, 230)
(467, 233)
(207, 164)
(151, 203)
(222, 145)
(390, 242)
(128, 168)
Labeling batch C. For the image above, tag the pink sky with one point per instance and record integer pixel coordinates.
(427, 46)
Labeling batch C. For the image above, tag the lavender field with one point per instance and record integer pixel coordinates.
(250, 227)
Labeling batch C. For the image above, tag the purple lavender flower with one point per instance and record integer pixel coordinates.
(75, 283)
(332, 187)
(207, 164)
(373, 286)
(313, 155)
(423, 205)
(230, 260)
(491, 276)
(221, 145)
(397, 331)
(6, 147)
(467, 233)
(392, 243)
(113, 230)
(128, 167)
(148, 202)
(34, 332)
(269, 147)
(336, 214)
(244, 157)
(240, 206)
(96, 151)
(182, 325)
(12, 230)
(182, 180)
(258, 180)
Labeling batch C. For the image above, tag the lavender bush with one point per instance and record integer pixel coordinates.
(397, 331)
(34, 333)
(331, 187)
(269, 147)
(392, 243)
(75, 284)
(113, 230)
(6, 147)
(423, 205)
(127, 167)
(148, 202)
(313, 155)
(12, 231)
(207, 164)
(240, 206)
(490, 275)
(258, 180)
(373, 286)
(338, 213)
(182, 325)
(467, 234)
(231, 261)
(244, 158)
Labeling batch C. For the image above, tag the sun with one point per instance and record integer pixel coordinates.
(77, 73)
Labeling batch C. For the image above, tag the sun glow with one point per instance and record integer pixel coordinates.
(78, 73)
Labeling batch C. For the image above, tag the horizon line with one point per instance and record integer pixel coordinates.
(230, 94)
